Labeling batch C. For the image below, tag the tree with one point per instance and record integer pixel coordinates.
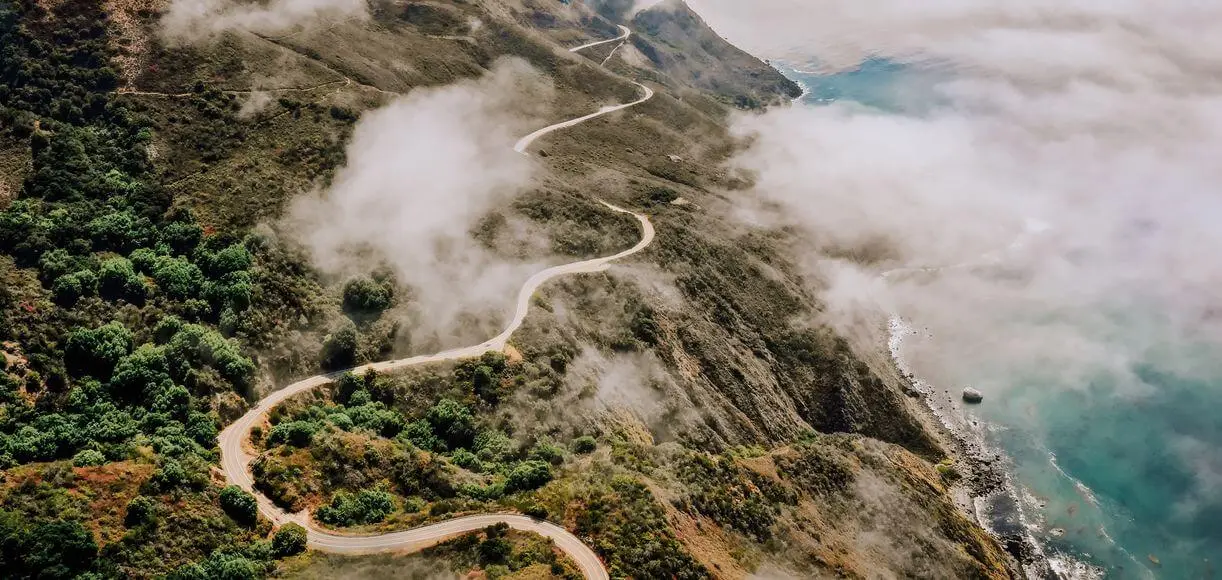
(140, 509)
(88, 458)
(365, 296)
(367, 506)
(452, 422)
(584, 444)
(295, 433)
(181, 236)
(60, 549)
(289, 540)
(528, 475)
(177, 277)
(485, 384)
(339, 348)
(240, 506)
(117, 279)
(119, 232)
(69, 288)
(96, 352)
(139, 373)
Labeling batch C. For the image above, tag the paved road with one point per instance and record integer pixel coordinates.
(236, 455)
(624, 29)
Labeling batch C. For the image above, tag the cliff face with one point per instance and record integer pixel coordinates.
(680, 44)
(746, 437)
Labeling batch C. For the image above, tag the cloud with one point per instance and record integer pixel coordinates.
(191, 21)
(421, 175)
(1067, 173)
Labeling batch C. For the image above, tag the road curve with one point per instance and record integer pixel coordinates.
(236, 456)
(622, 37)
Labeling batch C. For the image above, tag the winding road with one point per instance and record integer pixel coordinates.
(237, 454)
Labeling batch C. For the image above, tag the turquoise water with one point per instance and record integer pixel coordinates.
(1123, 473)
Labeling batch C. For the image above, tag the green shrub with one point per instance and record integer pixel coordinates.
(584, 444)
(240, 506)
(339, 348)
(365, 507)
(88, 458)
(366, 296)
(140, 509)
(295, 433)
(528, 475)
(452, 422)
(95, 352)
(289, 540)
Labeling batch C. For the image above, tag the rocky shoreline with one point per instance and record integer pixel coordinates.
(984, 490)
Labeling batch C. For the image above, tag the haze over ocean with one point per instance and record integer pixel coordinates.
(1118, 468)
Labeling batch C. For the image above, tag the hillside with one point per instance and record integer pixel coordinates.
(201, 209)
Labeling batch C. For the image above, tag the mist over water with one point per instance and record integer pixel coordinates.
(1119, 470)
(1042, 174)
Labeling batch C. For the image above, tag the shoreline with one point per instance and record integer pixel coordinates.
(986, 491)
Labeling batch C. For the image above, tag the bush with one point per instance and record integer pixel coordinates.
(140, 510)
(95, 352)
(177, 278)
(365, 507)
(289, 540)
(528, 475)
(295, 433)
(88, 458)
(584, 444)
(339, 348)
(240, 506)
(452, 422)
(117, 279)
(365, 296)
(69, 288)
(548, 453)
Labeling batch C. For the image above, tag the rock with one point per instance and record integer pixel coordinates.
(972, 396)
(675, 158)
(543, 153)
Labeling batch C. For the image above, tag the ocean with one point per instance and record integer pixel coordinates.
(1115, 481)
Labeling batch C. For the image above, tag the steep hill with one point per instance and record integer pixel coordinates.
(676, 412)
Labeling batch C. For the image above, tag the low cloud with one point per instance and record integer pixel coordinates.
(1067, 176)
(190, 21)
(421, 175)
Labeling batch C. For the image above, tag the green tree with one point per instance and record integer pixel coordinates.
(339, 348)
(366, 297)
(584, 444)
(240, 506)
(96, 352)
(119, 232)
(117, 279)
(367, 506)
(289, 540)
(452, 422)
(141, 509)
(60, 549)
(181, 236)
(177, 277)
(295, 433)
(528, 475)
(69, 288)
(88, 458)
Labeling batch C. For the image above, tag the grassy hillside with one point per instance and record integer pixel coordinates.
(150, 293)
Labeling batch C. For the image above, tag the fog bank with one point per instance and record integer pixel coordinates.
(421, 173)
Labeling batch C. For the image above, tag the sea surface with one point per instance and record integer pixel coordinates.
(1109, 480)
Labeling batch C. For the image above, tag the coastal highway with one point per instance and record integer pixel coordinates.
(621, 38)
(237, 453)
